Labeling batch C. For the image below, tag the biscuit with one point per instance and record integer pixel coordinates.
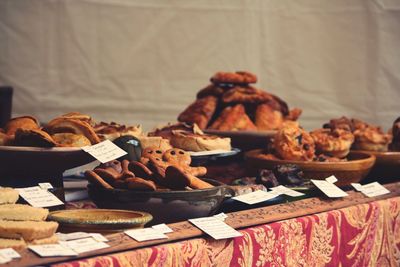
(238, 77)
(177, 156)
(140, 184)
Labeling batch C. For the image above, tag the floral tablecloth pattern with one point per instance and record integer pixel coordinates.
(360, 235)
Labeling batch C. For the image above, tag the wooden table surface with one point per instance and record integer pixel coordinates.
(120, 242)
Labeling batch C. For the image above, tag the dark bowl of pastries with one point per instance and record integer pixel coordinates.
(232, 106)
(319, 153)
(162, 183)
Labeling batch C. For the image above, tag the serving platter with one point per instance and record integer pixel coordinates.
(353, 170)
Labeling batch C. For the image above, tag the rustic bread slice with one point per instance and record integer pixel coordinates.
(8, 195)
(28, 230)
(21, 212)
(12, 243)
(49, 240)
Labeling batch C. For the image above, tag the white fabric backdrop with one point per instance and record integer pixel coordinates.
(142, 61)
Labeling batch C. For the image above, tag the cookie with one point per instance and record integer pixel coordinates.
(238, 77)
(177, 156)
(140, 184)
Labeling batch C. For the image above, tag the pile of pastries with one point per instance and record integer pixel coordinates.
(232, 103)
(157, 170)
(332, 142)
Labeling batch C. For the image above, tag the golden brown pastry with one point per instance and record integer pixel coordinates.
(66, 125)
(33, 137)
(233, 119)
(371, 139)
(213, 90)
(78, 116)
(199, 142)
(238, 77)
(248, 95)
(267, 118)
(395, 145)
(334, 143)
(340, 123)
(113, 130)
(70, 140)
(24, 122)
(200, 111)
(291, 142)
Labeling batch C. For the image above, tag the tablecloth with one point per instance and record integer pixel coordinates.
(360, 235)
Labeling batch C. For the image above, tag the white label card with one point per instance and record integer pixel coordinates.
(221, 216)
(52, 250)
(4, 259)
(373, 189)
(72, 236)
(163, 228)
(84, 245)
(256, 197)
(99, 237)
(45, 186)
(105, 151)
(216, 228)
(9, 253)
(38, 197)
(331, 179)
(329, 189)
(357, 186)
(145, 234)
(286, 191)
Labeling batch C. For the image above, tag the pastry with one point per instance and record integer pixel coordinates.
(33, 138)
(200, 111)
(213, 90)
(78, 116)
(334, 143)
(24, 122)
(111, 131)
(199, 142)
(67, 125)
(248, 95)
(28, 230)
(12, 243)
(155, 141)
(8, 195)
(238, 77)
(22, 212)
(266, 118)
(166, 131)
(340, 123)
(233, 119)
(371, 139)
(178, 179)
(291, 142)
(70, 140)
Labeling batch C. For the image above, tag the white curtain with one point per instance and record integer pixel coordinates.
(142, 61)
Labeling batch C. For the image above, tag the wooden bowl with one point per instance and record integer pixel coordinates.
(352, 171)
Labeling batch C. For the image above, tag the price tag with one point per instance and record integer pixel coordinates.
(84, 245)
(256, 197)
(46, 186)
(163, 228)
(286, 191)
(331, 179)
(4, 259)
(372, 189)
(9, 253)
(105, 151)
(52, 250)
(221, 216)
(357, 186)
(99, 237)
(329, 189)
(72, 236)
(216, 228)
(145, 234)
(38, 197)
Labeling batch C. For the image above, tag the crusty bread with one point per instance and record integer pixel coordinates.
(21, 212)
(28, 230)
(49, 240)
(8, 195)
(12, 243)
(155, 141)
(199, 142)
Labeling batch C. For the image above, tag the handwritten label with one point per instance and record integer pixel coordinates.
(256, 197)
(72, 236)
(45, 186)
(372, 189)
(4, 259)
(329, 189)
(216, 228)
(52, 250)
(38, 197)
(221, 216)
(84, 245)
(105, 151)
(9, 253)
(331, 179)
(163, 228)
(98, 237)
(145, 234)
(286, 191)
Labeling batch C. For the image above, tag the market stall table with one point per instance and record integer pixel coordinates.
(350, 231)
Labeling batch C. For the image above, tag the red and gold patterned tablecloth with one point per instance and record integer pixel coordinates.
(360, 235)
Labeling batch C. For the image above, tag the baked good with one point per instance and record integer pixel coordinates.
(177, 156)
(155, 142)
(334, 143)
(248, 95)
(212, 89)
(138, 183)
(8, 195)
(291, 142)
(166, 131)
(340, 123)
(371, 139)
(395, 145)
(233, 118)
(96, 179)
(67, 125)
(33, 138)
(78, 116)
(70, 140)
(23, 122)
(113, 130)
(12, 243)
(176, 178)
(22, 212)
(200, 111)
(238, 77)
(199, 142)
(5, 139)
(43, 241)
(28, 230)
(267, 118)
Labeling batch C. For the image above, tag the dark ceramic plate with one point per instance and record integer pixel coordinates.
(165, 206)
